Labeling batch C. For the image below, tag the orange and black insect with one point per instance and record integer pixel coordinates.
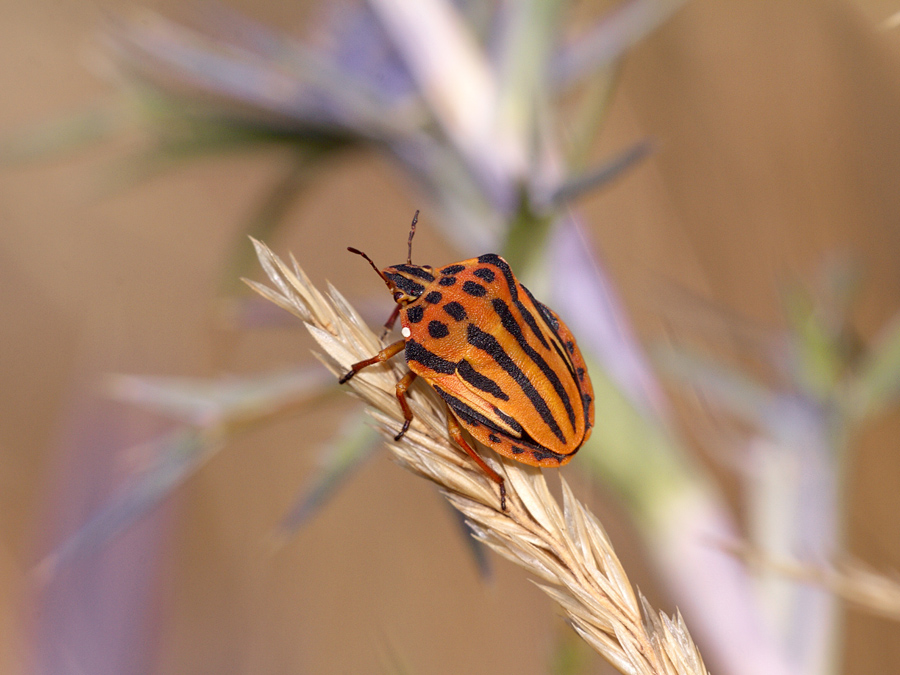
(507, 367)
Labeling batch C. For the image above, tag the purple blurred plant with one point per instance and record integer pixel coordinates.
(793, 454)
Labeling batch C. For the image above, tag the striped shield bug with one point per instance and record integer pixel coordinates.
(506, 365)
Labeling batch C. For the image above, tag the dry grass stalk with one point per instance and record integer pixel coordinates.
(853, 581)
(565, 547)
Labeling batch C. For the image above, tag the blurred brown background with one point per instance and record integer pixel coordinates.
(777, 126)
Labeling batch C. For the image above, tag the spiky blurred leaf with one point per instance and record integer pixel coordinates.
(877, 383)
(270, 213)
(56, 137)
(723, 387)
(174, 457)
(817, 362)
(597, 177)
(356, 442)
(608, 40)
(286, 86)
(579, 281)
(233, 400)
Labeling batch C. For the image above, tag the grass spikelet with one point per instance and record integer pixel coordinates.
(564, 546)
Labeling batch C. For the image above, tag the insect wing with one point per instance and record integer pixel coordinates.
(565, 342)
(493, 428)
(521, 361)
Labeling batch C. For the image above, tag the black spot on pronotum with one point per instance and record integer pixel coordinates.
(447, 281)
(415, 313)
(438, 330)
(456, 310)
(518, 451)
(494, 438)
(484, 273)
(453, 269)
(501, 264)
(570, 346)
(581, 374)
(434, 297)
(473, 289)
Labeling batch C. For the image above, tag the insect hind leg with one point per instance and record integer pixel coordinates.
(402, 386)
(456, 433)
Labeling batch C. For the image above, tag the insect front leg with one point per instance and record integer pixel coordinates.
(402, 386)
(391, 322)
(456, 433)
(382, 356)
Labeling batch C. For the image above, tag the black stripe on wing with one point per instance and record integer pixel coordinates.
(553, 324)
(489, 344)
(513, 287)
(508, 320)
(466, 413)
(479, 381)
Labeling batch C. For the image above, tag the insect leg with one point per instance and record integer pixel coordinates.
(402, 386)
(392, 319)
(380, 357)
(456, 433)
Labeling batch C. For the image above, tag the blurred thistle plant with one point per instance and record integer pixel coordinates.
(467, 99)
(794, 455)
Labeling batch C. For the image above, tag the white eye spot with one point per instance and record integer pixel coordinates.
(405, 331)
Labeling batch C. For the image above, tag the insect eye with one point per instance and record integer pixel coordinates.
(397, 296)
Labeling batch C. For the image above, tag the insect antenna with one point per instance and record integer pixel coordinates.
(412, 232)
(358, 252)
